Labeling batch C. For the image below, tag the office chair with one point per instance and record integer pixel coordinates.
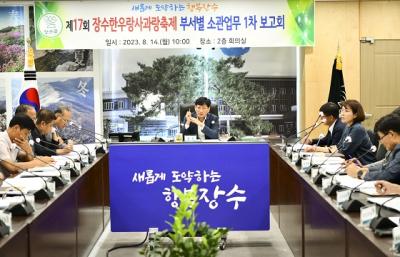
(185, 107)
(373, 138)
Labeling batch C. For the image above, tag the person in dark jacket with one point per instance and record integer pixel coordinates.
(44, 125)
(330, 117)
(388, 130)
(355, 142)
(201, 123)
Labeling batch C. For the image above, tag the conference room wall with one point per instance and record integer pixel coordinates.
(6, 78)
(259, 63)
(343, 23)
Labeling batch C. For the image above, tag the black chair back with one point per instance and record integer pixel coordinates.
(373, 137)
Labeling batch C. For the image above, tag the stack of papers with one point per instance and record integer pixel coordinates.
(25, 185)
(332, 169)
(83, 149)
(47, 173)
(317, 160)
(41, 169)
(10, 201)
(366, 187)
(392, 204)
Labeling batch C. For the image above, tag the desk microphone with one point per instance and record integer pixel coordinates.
(318, 179)
(301, 131)
(312, 129)
(353, 205)
(59, 180)
(158, 139)
(42, 194)
(21, 209)
(74, 171)
(308, 169)
(379, 224)
(91, 132)
(317, 124)
(331, 190)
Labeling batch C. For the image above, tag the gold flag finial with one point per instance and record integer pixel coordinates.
(30, 57)
(338, 58)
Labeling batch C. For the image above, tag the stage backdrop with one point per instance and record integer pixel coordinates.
(233, 184)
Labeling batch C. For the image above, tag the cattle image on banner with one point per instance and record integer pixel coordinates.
(29, 92)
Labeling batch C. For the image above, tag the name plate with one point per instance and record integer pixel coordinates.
(342, 196)
(367, 213)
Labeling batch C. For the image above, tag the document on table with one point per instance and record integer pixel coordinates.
(83, 149)
(47, 173)
(45, 168)
(366, 187)
(25, 185)
(332, 169)
(392, 204)
(317, 160)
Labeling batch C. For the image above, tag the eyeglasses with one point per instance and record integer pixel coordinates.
(66, 121)
(380, 138)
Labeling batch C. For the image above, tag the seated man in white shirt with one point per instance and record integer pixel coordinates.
(201, 123)
(14, 146)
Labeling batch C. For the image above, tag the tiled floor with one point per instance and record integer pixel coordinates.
(240, 244)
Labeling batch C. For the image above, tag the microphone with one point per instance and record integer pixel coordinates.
(318, 179)
(382, 225)
(42, 194)
(331, 190)
(74, 171)
(308, 169)
(295, 134)
(59, 180)
(321, 136)
(99, 150)
(312, 129)
(21, 209)
(317, 124)
(353, 205)
(90, 157)
(158, 139)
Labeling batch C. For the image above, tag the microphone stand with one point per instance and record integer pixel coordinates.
(353, 205)
(59, 180)
(286, 143)
(318, 179)
(42, 194)
(331, 190)
(74, 171)
(307, 135)
(20, 209)
(99, 150)
(382, 225)
(308, 169)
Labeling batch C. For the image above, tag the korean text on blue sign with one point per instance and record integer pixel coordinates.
(233, 184)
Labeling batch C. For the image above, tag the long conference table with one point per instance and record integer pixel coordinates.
(68, 224)
(311, 222)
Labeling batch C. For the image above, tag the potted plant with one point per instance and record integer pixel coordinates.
(188, 237)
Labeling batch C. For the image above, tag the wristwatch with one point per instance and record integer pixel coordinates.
(360, 173)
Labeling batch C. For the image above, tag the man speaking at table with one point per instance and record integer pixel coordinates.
(201, 123)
